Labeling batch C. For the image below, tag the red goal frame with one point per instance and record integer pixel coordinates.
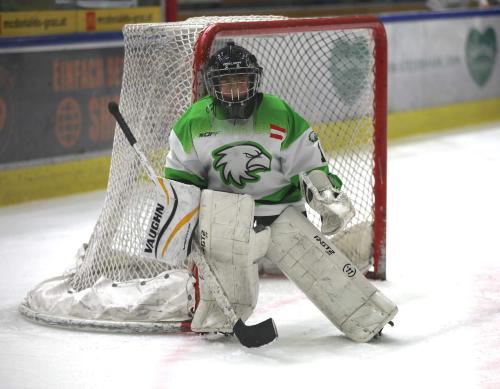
(201, 53)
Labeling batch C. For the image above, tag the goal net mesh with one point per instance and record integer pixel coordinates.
(325, 74)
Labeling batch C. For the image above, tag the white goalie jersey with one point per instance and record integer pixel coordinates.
(261, 156)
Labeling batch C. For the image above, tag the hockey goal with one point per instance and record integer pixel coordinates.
(330, 70)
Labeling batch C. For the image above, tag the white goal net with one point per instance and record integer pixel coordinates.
(332, 71)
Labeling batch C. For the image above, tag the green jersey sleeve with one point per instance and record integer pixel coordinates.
(182, 163)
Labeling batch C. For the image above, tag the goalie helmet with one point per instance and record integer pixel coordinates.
(232, 77)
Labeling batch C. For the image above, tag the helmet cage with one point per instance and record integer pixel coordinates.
(244, 83)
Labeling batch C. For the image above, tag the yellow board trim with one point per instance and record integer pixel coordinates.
(36, 23)
(60, 179)
(443, 118)
(113, 19)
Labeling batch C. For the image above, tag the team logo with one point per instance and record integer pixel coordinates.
(481, 53)
(241, 162)
(350, 59)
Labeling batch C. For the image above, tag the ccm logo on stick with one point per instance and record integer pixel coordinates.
(328, 249)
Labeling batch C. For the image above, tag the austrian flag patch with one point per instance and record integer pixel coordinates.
(277, 132)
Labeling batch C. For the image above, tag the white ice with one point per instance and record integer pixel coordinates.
(443, 272)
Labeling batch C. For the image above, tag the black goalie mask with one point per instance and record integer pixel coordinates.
(232, 76)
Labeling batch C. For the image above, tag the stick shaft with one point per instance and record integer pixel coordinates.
(214, 285)
(113, 109)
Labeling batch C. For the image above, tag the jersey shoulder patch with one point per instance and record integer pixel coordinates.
(282, 122)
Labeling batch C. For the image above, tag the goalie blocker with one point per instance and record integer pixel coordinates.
(328, 278)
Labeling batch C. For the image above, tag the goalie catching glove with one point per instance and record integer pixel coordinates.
(325, 197)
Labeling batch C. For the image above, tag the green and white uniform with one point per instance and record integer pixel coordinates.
(261, 156)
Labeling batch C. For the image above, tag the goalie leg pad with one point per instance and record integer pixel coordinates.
(328, 278)
(230, 246)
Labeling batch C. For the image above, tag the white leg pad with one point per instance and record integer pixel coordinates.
(328, 278)
(230, 244)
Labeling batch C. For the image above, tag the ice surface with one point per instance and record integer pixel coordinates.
(443, 272)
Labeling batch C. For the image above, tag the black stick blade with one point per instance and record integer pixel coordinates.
(256, 335)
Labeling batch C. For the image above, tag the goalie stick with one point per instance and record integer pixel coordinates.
(249, 336)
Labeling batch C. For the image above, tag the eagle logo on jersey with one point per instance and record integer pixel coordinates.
(241, 162)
